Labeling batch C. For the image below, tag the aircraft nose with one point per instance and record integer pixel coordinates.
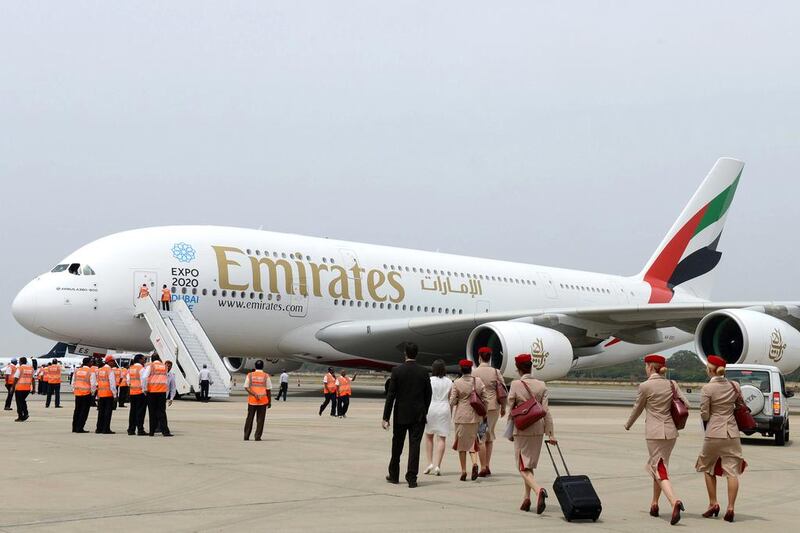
(25, 307)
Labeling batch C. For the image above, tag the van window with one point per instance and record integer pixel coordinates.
(757, 378)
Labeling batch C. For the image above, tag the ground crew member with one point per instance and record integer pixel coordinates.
(93, 366)
(106, 396)
(329, 390)
(118, 380)
(284, 386)
(343, 391)
(53, 375)
(258, 385)
(144, 292)
(154, 383)
(138, 400)
(165, 298)
(10, 370)
(83, 387)
(41, 382)
(23, 383)
(124, 386)
(205, 383)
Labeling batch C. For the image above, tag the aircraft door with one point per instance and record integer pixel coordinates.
(145, 277)
(547, 284)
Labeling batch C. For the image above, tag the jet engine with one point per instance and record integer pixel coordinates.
(240, 365)
(550, 350)
(747, 336)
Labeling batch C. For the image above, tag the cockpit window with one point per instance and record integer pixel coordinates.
(59, 268)
(87, 270)
(75, 268)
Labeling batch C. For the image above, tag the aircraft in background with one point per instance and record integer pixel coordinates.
(292, 299)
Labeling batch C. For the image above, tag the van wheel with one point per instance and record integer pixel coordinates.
(782, 436)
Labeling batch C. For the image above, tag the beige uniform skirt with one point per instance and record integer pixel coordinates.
(658, 462)
(721, 457)
(466, 437)
(491, 419)
(526, 450)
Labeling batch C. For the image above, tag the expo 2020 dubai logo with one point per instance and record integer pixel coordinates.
(183, 252)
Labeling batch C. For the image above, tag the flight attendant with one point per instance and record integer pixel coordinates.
(465, 418)
(329, 390)
(722, 447)
(165, 298)
(494, 409)
(528, 441)
(655, 397)
(23, 384)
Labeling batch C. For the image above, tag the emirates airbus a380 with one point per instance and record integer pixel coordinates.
(273, 296)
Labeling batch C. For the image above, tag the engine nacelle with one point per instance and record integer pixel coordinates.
(550, 350)
(240, 365)
(746, 336)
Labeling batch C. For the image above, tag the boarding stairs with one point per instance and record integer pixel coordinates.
(179, 337)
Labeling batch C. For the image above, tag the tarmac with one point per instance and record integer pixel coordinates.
(321, 473)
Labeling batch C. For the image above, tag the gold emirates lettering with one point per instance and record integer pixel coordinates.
(307, 277)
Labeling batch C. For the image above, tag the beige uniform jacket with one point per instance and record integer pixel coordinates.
(489, 375)
(717, 402)
(655, 397)
(518, 394)
(459, 397)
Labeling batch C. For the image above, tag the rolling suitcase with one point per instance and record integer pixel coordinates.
(575, 494)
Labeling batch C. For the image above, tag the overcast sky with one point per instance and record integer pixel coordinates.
(560, 133)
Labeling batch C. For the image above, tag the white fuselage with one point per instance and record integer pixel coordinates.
(252, 290)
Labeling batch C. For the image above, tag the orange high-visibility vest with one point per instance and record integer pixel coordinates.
(258, 385)
(330, 385)
(157, 379)
(165, 295)
(117, 375)
(83, 382)
(344, 386)
(123, 372)
(54, 374)
(134, 378)
(25, 381)
(103, 382)
(12, 369)
(40, 372)
(144, 292)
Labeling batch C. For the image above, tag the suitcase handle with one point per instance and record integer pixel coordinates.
(554, 461)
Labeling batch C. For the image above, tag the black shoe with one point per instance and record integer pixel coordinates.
(247, 438)
(257, 438)
(412, 484)
(168, 434)
(152, 434)
(97, 431)
(24, 418)
(58, 407)
(7, 409)
(18, 420)
(131, 432)
(82, 431)
(391, 480)
(109, 432)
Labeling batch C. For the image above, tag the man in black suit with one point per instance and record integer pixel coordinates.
(410, 395)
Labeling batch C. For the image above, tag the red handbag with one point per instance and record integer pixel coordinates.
(678, 409)
(500, 389)
(475, 401)
(529, 412)
(744, 420)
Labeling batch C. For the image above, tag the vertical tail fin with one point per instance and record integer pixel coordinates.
(686, 258)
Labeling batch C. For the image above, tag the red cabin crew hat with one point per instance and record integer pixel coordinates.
(716, 360)
(655, 358)
(483, 350)
(108, 358)
(523, 358)
(465, 363)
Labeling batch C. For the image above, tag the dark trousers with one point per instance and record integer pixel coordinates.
(43, 386)
(157, 410)
(344, 405)
(136, 415)
(283, 390)
(124, 394)
(329, 398)
(165, 305)
(54, 389)
(81, 413)
(259, 412)
(415, 432)
(9, 396)
(105, 408)
(204, 385)
(21, 397)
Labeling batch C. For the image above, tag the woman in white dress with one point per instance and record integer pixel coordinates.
(438, 426)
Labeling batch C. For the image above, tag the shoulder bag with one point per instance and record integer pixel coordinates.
(744, 420)
(678, 409)
(475, 401)
(528, 412)
(500, 389)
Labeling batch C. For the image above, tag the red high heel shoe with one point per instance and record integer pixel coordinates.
(474, 472)
(713, 510)
(729, 516)
(654, 510)
(526, 505)
(463, 476)
(676, 512)
(540, 503)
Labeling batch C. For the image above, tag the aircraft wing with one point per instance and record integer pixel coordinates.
(585, 327)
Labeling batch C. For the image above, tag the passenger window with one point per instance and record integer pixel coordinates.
(213, 292)
(59, 268)
(205, 291)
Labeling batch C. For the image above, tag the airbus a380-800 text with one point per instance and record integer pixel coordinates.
(269, 295)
